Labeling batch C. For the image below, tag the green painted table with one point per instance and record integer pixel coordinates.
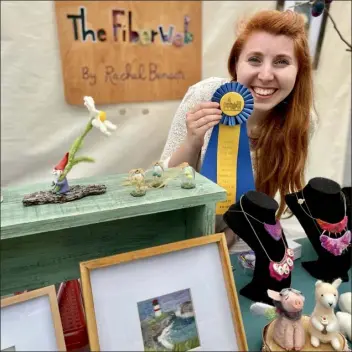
(301, 281)
(43, 245)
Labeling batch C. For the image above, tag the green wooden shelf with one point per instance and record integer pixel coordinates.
(42, 245)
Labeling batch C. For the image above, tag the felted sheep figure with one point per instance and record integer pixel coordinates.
(289, 332)
(323, 325)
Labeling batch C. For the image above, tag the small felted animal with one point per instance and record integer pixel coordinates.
(158, 169)
(344, 317)
(289, 332)
(137, 178)
(345, 302)
(323, 324)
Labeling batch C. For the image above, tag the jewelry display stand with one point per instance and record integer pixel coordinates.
(322, 210)
(253, 220)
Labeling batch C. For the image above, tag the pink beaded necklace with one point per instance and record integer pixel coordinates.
(278, 270)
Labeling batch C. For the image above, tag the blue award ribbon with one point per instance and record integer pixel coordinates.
(227, 160)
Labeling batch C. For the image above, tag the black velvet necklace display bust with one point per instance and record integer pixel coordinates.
(263, 208)
(325, 202)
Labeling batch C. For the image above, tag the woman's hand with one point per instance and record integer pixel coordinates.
(199, 120)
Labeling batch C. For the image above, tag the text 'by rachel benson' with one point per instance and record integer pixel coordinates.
(140, 72)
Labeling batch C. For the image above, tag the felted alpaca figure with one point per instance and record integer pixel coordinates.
(323, 324)
(288, 331)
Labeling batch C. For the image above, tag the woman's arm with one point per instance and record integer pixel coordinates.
(178, 147)
(187, 152)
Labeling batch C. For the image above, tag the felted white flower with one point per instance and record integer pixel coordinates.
(98, 117)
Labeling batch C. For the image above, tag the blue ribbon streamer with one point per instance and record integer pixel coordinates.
(245, 178)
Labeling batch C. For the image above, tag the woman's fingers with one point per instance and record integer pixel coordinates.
(203, 117)
(204, 105)
(204, 129)
(203, 121)
(204, 112)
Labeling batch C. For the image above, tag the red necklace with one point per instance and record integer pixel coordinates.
(334, 228)
(336, 246)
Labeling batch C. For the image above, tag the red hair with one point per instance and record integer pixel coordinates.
(282, 147)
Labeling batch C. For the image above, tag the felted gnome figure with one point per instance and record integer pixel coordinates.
(57, 171)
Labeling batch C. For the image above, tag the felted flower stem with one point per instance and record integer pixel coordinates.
(72, 161)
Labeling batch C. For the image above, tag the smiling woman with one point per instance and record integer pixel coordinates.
(268, 67)
(271, 58)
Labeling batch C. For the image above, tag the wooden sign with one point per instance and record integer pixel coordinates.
(129, 51)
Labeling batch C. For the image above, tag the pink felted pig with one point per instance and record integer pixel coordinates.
(288, 330)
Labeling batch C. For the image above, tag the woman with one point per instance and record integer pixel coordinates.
(271, 57)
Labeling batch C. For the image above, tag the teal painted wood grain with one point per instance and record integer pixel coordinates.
(200, 220)
(44, 259)
(18, 220)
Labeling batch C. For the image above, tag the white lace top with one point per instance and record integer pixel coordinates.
(199, 92)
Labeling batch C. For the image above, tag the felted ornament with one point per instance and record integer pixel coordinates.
(318, 8)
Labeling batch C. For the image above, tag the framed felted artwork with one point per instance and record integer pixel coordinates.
(31, 321)
(179, 296)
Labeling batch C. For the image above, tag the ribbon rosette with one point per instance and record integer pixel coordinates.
(236, 103)
(227, 160)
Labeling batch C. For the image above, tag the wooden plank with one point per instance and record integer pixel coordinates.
(110, 57)
(44, 259)
(117, 203)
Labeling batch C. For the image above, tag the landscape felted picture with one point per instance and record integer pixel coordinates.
(168, 322)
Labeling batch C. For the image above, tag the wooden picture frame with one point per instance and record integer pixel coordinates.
(315, 26)
(29, 298)
(208, 256)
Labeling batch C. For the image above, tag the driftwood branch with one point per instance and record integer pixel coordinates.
(298, 4)
(338, 32)
(50, 197)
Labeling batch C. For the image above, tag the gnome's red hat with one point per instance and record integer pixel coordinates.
(61, 165)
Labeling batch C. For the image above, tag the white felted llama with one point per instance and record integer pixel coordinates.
(323, 326)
